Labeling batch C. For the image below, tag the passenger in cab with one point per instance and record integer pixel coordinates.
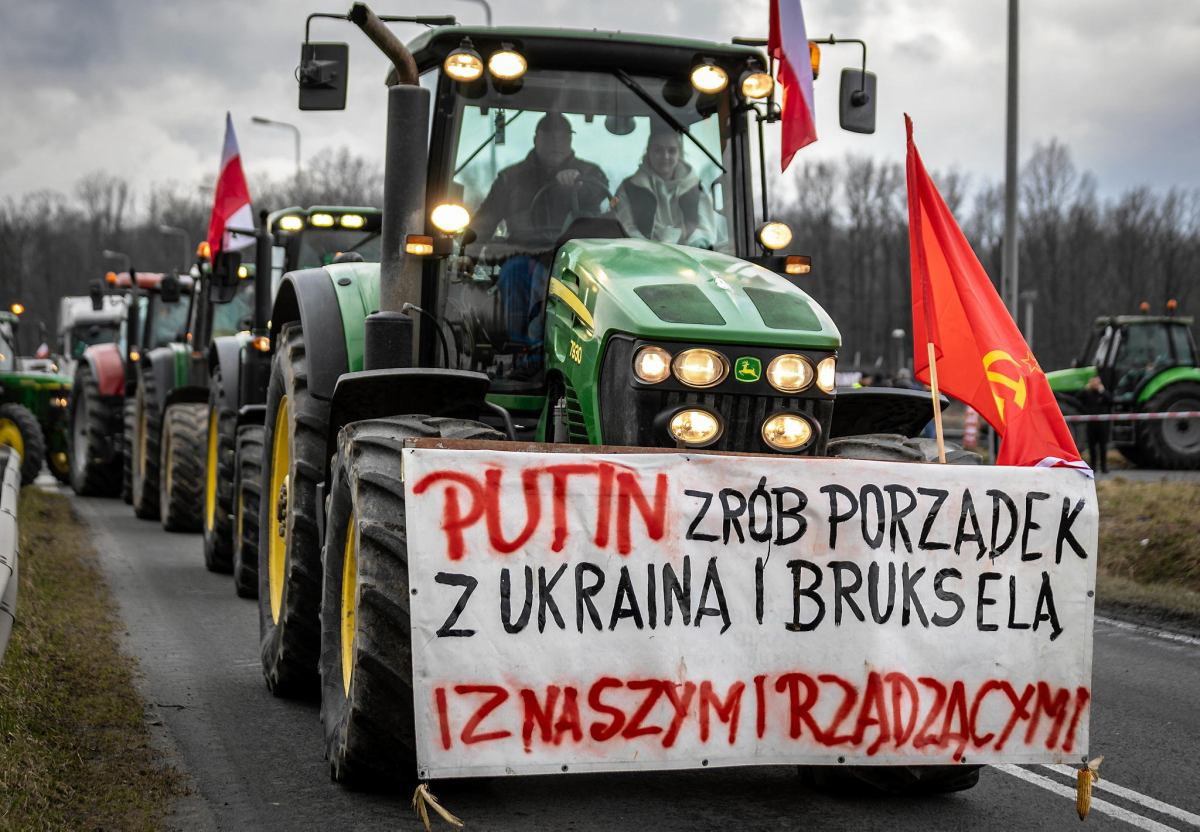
(664, 200)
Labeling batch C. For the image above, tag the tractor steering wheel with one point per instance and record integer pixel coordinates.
(541, 209)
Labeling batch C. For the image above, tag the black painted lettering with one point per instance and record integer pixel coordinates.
(944, 594)
(939, 496)
(1029, 525)
(585, 593)
(982, 601)
(810, 592)
(896, 523)
(793, 512)
(712, 582)
(468, 583)
(835, 518)
(692, 534)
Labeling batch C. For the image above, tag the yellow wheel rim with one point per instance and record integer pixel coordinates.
(210, 476)
(349, 602)
(59, 462)
(10, 435)
(277, 509)
(142, 440)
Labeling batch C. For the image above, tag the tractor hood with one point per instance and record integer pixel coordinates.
(672, 292)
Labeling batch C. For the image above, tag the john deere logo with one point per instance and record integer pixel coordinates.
(747, 368)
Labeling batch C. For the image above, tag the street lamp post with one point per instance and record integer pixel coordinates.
(1009, 256)
(270, 122)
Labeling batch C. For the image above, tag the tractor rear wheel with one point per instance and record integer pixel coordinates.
(147, 425)
(1172, 443)
(221, 438)
(895, 780)
(366, 650)
(246, 488)
(19, 430)
(181, 467)
(129, 411)
(93, 418)
(289, 549)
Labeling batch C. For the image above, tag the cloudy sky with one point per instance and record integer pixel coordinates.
(140, 87)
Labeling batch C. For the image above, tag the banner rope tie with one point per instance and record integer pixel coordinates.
(423, 800)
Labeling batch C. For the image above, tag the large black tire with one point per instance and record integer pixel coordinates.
(144, 448)
(368, 723)
(20, 428)
(289, 598)
(1175, 443)
(129, 411)
(181, 467)
(93, 419)
(895, 780)
(220, 447)
(247, 487)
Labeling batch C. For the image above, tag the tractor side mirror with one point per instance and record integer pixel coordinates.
(222, 286)
(96, 292)
(856, 101)
(324, 68)
(170, 289)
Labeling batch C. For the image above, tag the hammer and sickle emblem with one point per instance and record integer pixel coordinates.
(1015, 383)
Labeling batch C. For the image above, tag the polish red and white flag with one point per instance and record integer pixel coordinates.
(231, 199)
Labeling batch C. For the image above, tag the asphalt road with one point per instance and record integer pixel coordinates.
(255, 762)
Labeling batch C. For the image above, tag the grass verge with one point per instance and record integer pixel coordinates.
(75, 752)
(1150, 548)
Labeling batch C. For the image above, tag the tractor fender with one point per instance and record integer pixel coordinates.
(1166, 378)
(308, 296)
(107, 366)
(184, 395)
(159, 363)
(225, 354)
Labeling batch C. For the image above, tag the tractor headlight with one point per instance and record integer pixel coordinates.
(507, 64)
(463, 64)
(652, 365)
(757, 85)
(787, 432)
(790, 373)
(709, 78)
(774, 235)
(321, 220)
(700, 367)
(352, 221)
(290, 223)
(827, 374)
(450, 217)
(695, 427)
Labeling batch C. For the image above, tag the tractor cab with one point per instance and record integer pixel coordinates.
(1129, 351)
(306, 238)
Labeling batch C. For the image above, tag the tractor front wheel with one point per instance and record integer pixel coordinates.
(366, 649)
(19, 430)
(218, 479)
(181, 467)
(246, 489)
(129, 412)
(144, 449)
(1172, 443)
(92, 422)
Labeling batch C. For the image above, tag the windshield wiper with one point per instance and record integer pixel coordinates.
(486, 142)
(661, 111)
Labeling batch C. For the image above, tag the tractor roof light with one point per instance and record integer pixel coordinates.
(695, 427)
(827, 374)
(652, 365)
(321, 220)
(814, 58)
(450, 218)
(757, 84)
(790, 373)
(700, 367)
(507, 64)
(464, 63)
(352, 221)
(17, 309)
(774, 235)
(709, 78)
(291, 222)
(203, 250)
(1172, 305)
(788, 432)
(110, 278)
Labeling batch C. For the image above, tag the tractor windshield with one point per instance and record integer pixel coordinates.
(167, 321)
(318, 247)
(8, 355)
(85, 336)
(236, 315)
(1144, 351)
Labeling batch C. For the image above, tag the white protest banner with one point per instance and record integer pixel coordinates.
(600, 612)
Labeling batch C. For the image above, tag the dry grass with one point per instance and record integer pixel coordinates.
(1150, 545)
(74, 749)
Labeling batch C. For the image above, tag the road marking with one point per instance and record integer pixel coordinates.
(1135, 797)
(1102, 806)
(1166, 635)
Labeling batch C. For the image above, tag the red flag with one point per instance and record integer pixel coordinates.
(981, 357)
(231, 199)
(787, 42)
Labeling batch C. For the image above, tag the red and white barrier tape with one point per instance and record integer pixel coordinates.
(1135, 417)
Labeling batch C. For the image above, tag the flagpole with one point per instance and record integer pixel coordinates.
(937, 403)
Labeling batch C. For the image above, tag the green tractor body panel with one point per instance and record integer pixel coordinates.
(1070, 380)
(357, 288)
(1165, 378)
(181, 357)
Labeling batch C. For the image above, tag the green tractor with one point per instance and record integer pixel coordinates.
(33, 409)
(565, 311)
(1148, 364)
(239, 367)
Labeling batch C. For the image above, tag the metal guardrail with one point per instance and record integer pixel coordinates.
(1134, 417)
(10, 487)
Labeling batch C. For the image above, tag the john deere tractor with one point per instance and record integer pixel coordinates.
(33, 409)
(104, 402)
(1148, 364)
(547, 312)
(239, 367)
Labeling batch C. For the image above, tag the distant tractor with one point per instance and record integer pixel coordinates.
(33, 408)
(240, 365)
(104, 405)
(81, 325)
(1148, 364)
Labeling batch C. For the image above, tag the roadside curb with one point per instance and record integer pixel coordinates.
(10, 478)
